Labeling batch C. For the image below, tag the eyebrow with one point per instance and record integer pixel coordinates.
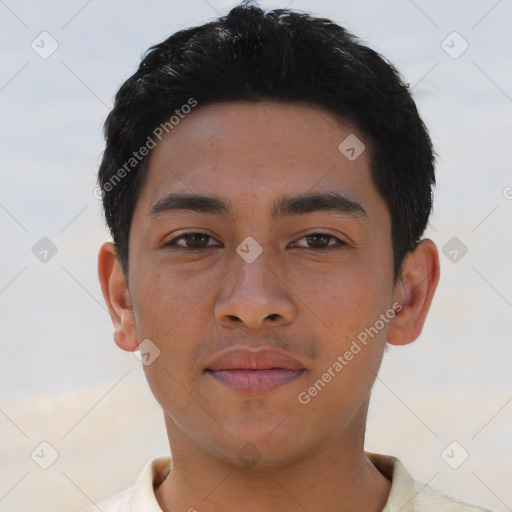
(284, 206)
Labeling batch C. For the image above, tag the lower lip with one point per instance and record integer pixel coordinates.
(255, 381)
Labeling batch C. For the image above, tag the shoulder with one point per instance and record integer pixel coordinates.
(430, 498)
(410, 495)
(141, 496)
(121, 502)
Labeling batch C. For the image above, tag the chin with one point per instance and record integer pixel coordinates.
(260, 442)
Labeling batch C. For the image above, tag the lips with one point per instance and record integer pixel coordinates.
(253, 371)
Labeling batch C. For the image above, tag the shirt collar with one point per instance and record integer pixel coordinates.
(403, 493)
(401, 497)
(144, 499)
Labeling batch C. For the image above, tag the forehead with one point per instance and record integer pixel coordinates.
(251, 151)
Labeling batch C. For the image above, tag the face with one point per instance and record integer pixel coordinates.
(269, 309)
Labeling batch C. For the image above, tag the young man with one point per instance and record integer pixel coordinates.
(267, 181)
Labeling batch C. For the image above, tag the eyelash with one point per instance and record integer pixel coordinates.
(335, 247)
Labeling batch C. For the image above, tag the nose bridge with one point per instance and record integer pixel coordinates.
(252, 291)
(253, 271)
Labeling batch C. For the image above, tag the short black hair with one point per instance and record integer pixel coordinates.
(281, 55)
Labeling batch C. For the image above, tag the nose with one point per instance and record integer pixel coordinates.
(255, 294)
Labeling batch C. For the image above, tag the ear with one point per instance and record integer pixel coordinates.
(117, 297)
(414, 290)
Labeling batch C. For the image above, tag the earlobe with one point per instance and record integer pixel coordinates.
(414, 292)
(117, 297)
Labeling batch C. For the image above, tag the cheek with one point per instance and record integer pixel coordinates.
(170, 310)
(342, 301)
(173, 308)
(166, 298)
(346, 306)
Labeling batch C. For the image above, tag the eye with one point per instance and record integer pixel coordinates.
(197, 241)
(322, 242)
(190, 242)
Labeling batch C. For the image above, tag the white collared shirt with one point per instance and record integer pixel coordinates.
(406, 495)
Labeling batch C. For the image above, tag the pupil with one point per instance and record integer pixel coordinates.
(317, 237)
(196, 237)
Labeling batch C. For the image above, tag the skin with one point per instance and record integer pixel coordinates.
(311, 304)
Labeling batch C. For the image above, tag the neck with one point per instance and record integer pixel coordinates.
(338, 477)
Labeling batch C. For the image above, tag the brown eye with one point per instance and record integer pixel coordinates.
(322, 242)
(318, 241)
(191, 242)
